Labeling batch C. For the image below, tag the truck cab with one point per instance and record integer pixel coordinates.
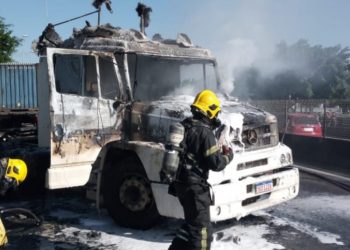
(107, 97)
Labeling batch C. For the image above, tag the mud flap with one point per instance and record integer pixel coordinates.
(3, 237)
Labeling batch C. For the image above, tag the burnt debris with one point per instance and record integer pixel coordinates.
(98, 3)
(143, 12)
(48, 38)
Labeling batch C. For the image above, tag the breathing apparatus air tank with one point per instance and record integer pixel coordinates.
(172, 150)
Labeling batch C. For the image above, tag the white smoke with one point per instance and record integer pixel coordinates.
(236, 53)
(190, 90)
(240, 33)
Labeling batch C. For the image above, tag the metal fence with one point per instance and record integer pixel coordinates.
(18, 86)
(298, 116)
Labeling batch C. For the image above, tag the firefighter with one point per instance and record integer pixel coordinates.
(12, 173)
(201, 154)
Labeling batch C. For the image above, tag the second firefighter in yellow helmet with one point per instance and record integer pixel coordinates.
(16, 169)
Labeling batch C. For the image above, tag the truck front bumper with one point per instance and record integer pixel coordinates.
(237, 199)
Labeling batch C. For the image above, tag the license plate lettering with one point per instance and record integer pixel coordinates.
(263, 187)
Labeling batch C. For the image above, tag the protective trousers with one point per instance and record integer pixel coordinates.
(196, 233)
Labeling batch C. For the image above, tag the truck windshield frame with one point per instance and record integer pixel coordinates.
(153, 77)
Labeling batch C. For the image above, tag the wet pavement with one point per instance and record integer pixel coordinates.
(317, 219)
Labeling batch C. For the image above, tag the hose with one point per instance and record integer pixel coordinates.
(339, 184)
(21, 211)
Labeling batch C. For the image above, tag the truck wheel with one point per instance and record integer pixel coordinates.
(128, 196)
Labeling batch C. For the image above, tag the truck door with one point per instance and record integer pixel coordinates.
(84, 86)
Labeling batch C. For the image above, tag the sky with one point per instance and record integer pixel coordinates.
(237, 31)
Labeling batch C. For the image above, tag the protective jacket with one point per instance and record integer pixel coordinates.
(5, 183)
(2, 171)
(201, 151)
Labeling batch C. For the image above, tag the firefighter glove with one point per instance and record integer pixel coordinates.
(227, 151)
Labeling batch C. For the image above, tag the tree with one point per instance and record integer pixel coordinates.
(8, 42)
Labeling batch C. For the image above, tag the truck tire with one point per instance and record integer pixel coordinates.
(128, 195)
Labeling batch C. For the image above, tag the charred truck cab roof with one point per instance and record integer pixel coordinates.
(125, 44)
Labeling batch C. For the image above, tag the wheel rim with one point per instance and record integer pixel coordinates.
(135, 193)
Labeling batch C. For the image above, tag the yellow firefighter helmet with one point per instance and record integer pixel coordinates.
(16, 169)
(207, 103)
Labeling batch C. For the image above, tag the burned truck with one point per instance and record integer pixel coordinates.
(107, 97)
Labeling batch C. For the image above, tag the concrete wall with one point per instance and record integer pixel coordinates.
(326, 153)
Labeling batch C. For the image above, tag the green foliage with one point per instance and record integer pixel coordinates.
(301, 71)
(8, 42)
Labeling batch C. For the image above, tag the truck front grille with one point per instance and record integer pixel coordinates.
(260, 137)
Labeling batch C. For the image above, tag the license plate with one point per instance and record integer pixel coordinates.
(308, 129)
(263, 187)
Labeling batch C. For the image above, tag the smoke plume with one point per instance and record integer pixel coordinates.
(240, 33)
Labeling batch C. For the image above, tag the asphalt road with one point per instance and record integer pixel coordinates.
(318, 218)
(322, 205)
